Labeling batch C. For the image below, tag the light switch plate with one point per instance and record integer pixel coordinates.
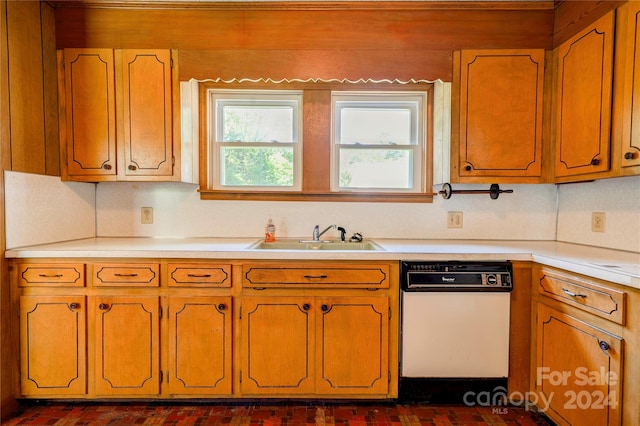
(598, 221)
(147, 216)
(454, 220)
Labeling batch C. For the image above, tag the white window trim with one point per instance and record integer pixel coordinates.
(214, 146)
(419, 149)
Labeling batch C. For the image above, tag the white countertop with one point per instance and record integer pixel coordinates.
(612, 265)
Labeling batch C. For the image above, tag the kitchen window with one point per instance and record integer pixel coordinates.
(315, 140)
(378, 141)
(256, 140)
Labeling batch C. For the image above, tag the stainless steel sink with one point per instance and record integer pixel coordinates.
(305, 245)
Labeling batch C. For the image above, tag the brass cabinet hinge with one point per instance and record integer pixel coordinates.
(240, 312)
(240, 376)
(388, 376)
(173, 160)
(160, 313)
(161, 376)
(389, 312)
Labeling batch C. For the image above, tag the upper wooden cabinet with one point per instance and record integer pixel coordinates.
(118, 106)
(500, 116)
(583, 103)
(626, 132)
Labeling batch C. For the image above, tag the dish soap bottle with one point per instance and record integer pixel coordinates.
(270, 232)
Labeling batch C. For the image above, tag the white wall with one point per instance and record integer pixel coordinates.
(528, 213)
(618, 198)
(41, 209)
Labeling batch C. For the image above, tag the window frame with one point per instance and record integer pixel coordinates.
(262, 97)
(316, 152)
(386, 99)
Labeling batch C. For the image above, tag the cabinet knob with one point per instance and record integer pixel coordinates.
(221, 307)
(604, 345)
(629, 155)
(107, 166)
(324, 308)
(74, 305)
(468, 168)
(595, 162)
(306, 307)
(103, 306)
(132, 167)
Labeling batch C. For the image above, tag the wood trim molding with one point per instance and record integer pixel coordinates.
(306, 5)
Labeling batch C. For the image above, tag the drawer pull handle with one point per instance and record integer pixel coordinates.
(103, 306)
(572, 294)
(74, 305)
(50, 275)
(199, 275)
(126, 275)
(315, 277)
(306, 307)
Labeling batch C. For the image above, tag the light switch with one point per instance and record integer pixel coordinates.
(147, 215)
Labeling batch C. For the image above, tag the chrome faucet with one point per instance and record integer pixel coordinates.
(317, 234)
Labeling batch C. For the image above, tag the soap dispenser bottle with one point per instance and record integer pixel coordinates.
(270, 231)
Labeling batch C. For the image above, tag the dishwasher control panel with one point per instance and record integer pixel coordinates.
(455, 276)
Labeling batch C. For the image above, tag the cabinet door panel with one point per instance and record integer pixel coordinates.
(585, 72)
(352, 345)
(90, 112)
(631, 90)
(148, 145)
(127, 345)
(277, 354)
(200, 345)
(501, 113)
(578, 370)
(53, 345)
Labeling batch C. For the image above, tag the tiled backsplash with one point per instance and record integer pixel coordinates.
(42, 209)
(528, 213)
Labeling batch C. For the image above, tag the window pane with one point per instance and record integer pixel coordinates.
(256, 166)
(375, 126)
(376, 168)
(259, 123)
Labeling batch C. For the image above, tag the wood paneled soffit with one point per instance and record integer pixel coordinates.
(309, 4)
(329, 29)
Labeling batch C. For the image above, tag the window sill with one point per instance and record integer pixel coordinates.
(207, 194)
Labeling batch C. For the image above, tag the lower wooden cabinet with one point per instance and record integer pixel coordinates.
(53, 350)
(163, 328)
(315, 345)
(579, 370)
(200, 345)
(127, 345)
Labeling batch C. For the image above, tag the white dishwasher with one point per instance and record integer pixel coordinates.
(455, 319)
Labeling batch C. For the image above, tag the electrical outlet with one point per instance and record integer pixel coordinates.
(597, 221)
(454, 220)
(147, 216)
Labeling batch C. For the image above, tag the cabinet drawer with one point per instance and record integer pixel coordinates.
(598, 299)
(59, 275)
(135, 274)
(199, 275)
(365, 276)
